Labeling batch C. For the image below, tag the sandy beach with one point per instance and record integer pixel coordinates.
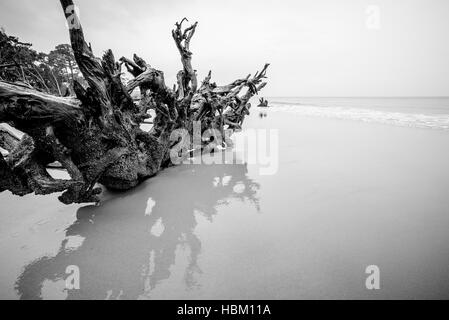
(347, 194)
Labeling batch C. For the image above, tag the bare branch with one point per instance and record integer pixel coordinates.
(182, 40)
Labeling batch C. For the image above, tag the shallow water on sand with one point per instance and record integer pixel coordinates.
(347, 195)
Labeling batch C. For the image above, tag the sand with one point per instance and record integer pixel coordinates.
(347, 194)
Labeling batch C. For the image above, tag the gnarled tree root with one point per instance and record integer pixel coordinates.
(96, 136)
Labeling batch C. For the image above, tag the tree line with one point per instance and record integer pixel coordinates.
(54, 72)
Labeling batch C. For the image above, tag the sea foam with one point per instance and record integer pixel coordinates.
(433, 121)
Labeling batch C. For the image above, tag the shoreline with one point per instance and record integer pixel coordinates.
(347, 195)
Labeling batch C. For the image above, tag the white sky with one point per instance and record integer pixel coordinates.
(315, 47)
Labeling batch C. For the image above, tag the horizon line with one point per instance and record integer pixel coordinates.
(363, 97)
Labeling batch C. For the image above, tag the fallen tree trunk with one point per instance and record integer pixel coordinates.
(97, 136)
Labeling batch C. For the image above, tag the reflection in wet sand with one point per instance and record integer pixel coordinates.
(127, 245)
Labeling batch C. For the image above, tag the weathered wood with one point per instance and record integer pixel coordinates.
(187, 80)
(96, 137)
(31, 108)
(8, 140)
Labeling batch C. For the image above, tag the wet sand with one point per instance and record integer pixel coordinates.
(347, 195)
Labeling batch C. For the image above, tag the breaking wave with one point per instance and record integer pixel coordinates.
(433, 121)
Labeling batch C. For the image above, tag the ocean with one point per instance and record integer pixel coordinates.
(431, 113)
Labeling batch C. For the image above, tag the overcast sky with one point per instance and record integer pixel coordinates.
(316, 48)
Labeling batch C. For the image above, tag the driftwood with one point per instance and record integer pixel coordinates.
(263, 103)
(96, 136)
